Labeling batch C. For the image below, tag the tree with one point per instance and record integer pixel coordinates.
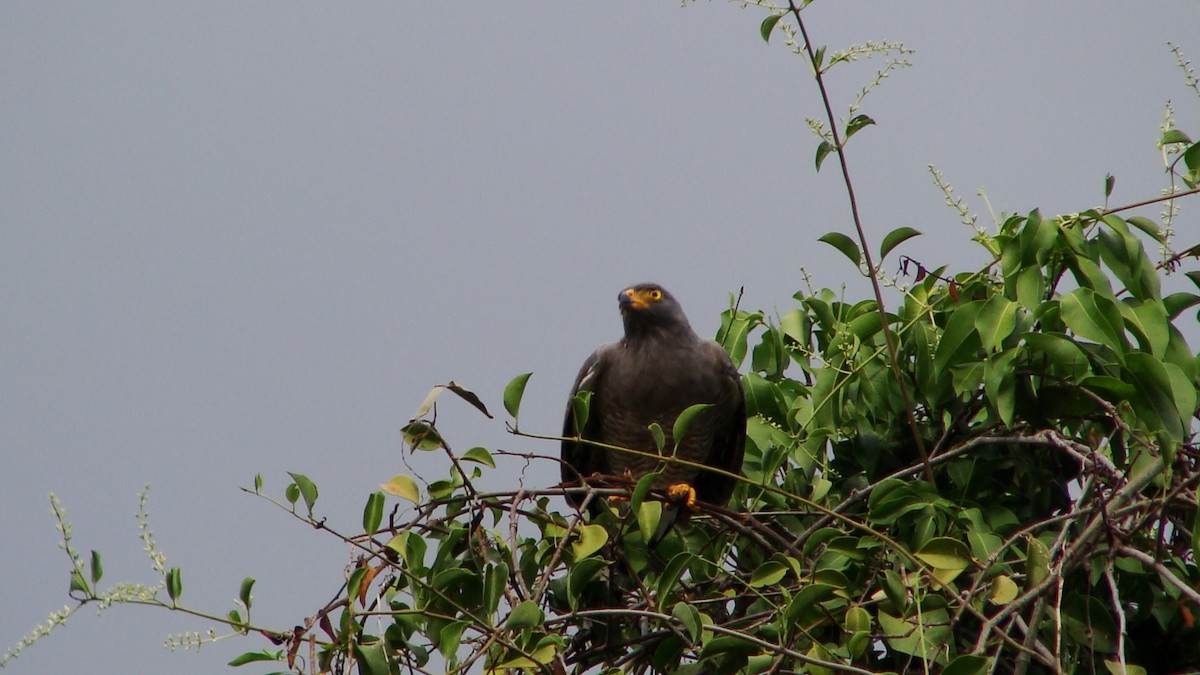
(999, 475)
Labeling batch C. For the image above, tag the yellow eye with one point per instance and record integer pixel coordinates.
(655, 294)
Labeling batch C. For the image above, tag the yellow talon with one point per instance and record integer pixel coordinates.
(683, 490)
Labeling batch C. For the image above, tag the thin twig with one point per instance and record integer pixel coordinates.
(840, 147)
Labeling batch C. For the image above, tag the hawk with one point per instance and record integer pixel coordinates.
(659, 369)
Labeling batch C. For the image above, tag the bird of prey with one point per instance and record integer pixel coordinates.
(659, 369)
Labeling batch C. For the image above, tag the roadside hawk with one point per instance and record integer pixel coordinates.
(659, 369)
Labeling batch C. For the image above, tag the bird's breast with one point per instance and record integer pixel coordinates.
(647, 387)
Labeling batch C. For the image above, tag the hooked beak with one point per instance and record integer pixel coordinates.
(629, 299)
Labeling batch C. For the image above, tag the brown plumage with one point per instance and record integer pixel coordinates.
(660, 368)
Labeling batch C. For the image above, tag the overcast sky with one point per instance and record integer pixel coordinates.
(248, 237)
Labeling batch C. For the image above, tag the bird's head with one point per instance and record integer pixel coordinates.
(649, 308)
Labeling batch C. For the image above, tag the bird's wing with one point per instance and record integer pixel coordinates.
(729, 432)
(580, 459)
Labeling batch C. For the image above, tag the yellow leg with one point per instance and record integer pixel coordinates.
(687, 492)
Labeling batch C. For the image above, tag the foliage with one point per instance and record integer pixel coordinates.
(1001, 475)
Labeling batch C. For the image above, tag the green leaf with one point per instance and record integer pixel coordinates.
(1174, 136)
(421, 435)
(690, 618)
(768, 574)
(1090, 276)
(449, 638)
(1110, 389)
(97, 569)
(865, 326)
(1191, 158)
(1087, 621)
(258, 483)
(895, 238)
(1127, 259)
(1031, 287)
(960, 341)
(373, 513)
(856, 124)
(770, 356)
(411, 548)
(923, 635)
(796, 325)
(1004, 590)
(543, 654)
(1109, 182)
(999, 383)
(1094, 318)
(1064, 354)
(581, 573)
(372, 658)
(969, 664)
(174, 583)
(844, 244)
(670, 576)
(1153, 398)
(480, 456)
(79, 584)
(292, 493)
(591, 539)
(308, 489)
(995, 321)
(452, 578)
(527, 614)
(735, 329)
(1037, 239)
(581, 404)
(983, 543)
(495, 583)
(730, 646)
(1176, 303)
(1037, 565)
(768, 25)
(656, 432)
(946, 555)
(823, 150)
(441, 489)
(858, 620)
(244, 592)
(1116, 668)
(685, 419)
(1148, 321)
(895, 590)
(255, 657)
(1149, 227)
(404, 487)
(800, 609)
(354, 585)
(513, 392)
(649, 514)
(642, 488)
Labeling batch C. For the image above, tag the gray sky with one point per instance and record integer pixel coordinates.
(249, 237)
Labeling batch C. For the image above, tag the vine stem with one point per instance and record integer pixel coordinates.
(719, 630)
(1156, 200)
(888, 337)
